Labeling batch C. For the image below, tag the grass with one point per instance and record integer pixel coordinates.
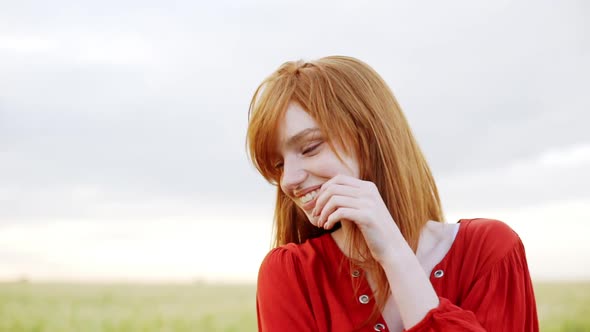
(32, 307)
(145, 308)
(563, 306)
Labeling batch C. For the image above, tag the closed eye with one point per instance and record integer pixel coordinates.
(311, 148)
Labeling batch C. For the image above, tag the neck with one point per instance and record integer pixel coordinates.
(431, 234)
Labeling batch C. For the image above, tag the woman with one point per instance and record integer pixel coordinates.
(360, 240)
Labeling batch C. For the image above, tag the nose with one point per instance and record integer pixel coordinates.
(293, 175)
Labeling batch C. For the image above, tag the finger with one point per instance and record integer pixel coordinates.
(345, 180)
(332, 190)
(340, 179)
(334, 203)
(341, 214)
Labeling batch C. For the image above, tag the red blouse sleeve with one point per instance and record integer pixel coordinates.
(501, 300)
(282, 303)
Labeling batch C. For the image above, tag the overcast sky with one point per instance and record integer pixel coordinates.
(122, 125)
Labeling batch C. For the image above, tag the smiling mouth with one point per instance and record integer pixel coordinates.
(309, 197)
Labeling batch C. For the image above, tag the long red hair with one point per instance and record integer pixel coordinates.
(355, 109)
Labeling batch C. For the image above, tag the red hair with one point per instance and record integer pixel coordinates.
(355, 109)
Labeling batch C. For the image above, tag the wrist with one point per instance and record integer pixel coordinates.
(397, 256)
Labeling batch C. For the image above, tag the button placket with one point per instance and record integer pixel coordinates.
(364, 299)
(379, 327)
(439, 273)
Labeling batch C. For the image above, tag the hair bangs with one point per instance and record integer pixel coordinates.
(267, 108)
(317, 92)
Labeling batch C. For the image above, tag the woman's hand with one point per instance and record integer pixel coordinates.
(348, 198)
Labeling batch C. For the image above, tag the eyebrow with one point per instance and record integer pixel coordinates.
(296, 139)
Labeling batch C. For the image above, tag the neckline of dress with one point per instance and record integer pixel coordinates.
(458, 239)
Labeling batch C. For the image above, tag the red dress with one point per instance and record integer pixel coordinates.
(483, 284)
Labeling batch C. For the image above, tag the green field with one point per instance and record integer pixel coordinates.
(35, 307)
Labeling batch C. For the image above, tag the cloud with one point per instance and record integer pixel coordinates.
(116, 113)
(555, 175)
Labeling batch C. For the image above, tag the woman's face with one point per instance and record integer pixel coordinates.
(307, 161)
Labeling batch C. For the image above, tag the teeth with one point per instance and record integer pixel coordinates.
(309, 196)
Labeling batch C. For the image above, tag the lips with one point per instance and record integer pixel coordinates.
(309, 205)
(306, 198)
(309, 196)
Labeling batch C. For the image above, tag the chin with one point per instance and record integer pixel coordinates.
(311, 219)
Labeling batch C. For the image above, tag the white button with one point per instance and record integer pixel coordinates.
(356, 273)
(439, 273)
(379, 327)
(364, 299)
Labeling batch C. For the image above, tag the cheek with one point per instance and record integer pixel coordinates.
(328, 169)
(352, 165)
(282, 188)
(333, 166)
